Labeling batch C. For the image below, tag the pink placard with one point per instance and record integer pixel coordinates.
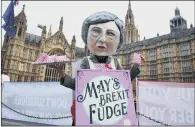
(137, 58)
(104, 97)
(45, 59)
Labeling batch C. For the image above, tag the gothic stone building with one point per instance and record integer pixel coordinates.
(19, 53)
(169, 57)
(130, 32)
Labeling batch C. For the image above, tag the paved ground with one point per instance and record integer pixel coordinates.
(10, 123)
(7, 122)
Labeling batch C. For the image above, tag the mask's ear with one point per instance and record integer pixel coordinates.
(90, 48)
(119, 43)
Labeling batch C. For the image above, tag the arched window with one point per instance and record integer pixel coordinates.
(11, 50)
(15, 29)
(20, 32)
(12, 64)
(24, 53)
(179, 22)
(15, 51)
(16, 65)
(6, 39)
(28, 67)
(26, 79)
(21, 22)
(175, 23)
(30, 54)
(19, 78)
(8, 62)
(36, 54)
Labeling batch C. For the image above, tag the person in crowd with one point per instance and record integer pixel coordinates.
(103, 32)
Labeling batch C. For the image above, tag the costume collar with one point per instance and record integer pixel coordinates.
(94, 59)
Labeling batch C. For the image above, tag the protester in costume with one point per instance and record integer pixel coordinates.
(103, 33)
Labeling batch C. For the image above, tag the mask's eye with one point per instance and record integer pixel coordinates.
(96, 31)
(111, 33)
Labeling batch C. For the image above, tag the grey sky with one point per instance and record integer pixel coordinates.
(152, 17)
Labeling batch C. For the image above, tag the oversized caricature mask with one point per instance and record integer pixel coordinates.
(103, 33)
(103, 39)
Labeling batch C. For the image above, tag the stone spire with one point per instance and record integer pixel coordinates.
(129, 6)
(61, 24)
(44, 32)
(49, 33)
(131, 32)
(73, 42)
(23, 7)
(177, 22)
(129, 15)
(177, 12)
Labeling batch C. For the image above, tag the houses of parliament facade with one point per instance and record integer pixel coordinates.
(169, 57)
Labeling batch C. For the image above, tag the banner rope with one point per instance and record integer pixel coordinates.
(36, 117)
(149, 118)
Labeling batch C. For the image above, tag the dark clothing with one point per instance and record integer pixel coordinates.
(101, 59)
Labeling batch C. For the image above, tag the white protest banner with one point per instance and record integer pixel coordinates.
(165, 103)
(48, 101)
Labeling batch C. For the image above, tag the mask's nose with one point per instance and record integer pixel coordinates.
(102, 39)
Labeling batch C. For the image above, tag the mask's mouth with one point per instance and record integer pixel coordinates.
(101, 47)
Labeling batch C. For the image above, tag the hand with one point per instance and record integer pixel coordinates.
(138, 58)
(142, 59)
(137, 64)
(58, 68)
